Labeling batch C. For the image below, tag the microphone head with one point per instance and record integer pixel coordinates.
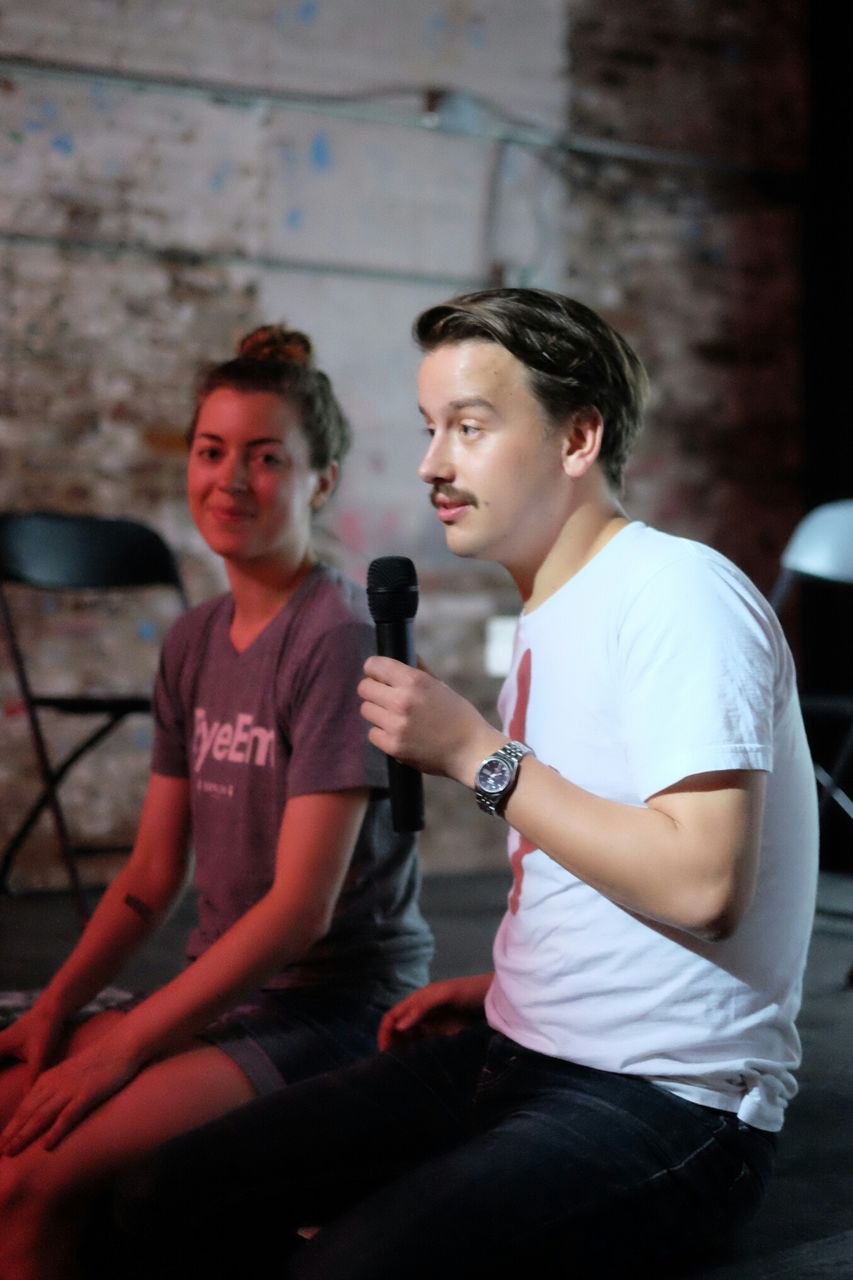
(392, 589)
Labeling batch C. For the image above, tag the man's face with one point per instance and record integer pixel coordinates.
(496, 473)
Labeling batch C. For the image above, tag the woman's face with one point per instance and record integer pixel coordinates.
(251, 488)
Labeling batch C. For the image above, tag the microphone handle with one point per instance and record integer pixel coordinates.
(397, 640)
(405, 784)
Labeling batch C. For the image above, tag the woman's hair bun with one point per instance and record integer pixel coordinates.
(275, 343)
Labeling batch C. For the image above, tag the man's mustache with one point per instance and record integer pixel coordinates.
(456, 497)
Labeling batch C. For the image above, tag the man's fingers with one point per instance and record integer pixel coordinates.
(385, 670)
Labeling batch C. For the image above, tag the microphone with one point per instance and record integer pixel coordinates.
(392, 597)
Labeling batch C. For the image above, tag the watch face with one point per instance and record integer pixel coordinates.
(494, 776)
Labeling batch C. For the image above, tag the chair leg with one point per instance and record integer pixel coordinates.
(48, 773)
(66, 853)
(830, 780)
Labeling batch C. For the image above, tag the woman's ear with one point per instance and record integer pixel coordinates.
(583, 434)
(324, 485)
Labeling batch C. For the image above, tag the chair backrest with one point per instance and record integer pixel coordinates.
(821, 546)
(59, 552)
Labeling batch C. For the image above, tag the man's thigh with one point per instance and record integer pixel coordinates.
(564, 1167)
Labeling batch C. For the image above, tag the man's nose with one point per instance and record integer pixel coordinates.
(437, 463)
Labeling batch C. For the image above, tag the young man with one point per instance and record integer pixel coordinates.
(617, 1104)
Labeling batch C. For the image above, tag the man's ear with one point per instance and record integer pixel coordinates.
(582, 436)
(324, 486)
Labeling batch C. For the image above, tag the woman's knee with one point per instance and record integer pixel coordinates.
(29, 1185)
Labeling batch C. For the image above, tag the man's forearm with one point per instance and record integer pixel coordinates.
(686, 858)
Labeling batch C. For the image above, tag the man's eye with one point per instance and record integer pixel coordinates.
(469, 428)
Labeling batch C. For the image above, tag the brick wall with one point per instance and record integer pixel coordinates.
(160, 194)
(700, 264)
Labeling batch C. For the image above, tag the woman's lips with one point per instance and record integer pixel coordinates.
(228, 515)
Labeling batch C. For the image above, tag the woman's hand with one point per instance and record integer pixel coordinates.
(62, 1095)
(440, 1009)
(420, 721)
(33, 1039)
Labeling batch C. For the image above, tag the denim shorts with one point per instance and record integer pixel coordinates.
(280, 1036)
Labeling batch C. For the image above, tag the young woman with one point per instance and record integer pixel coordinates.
(308, 923)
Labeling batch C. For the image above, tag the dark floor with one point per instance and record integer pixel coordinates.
(804, 1231)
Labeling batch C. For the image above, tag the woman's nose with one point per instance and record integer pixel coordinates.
(234, 474)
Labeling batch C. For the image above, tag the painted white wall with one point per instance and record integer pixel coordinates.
(347, 217)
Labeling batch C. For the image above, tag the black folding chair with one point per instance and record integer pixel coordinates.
(821, 548)
(49, 551)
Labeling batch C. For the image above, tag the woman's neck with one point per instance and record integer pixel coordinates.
(260, 590)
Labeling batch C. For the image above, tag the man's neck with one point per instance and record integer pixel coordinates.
(588, 529)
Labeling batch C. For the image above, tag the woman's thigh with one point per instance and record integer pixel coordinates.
(166, 1098)
(282, 1037)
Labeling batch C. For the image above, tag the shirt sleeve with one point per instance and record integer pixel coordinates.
(328, 735)
(169, 751)
(698, 659)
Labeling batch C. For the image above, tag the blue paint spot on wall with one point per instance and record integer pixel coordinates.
(304, 12)
(441, 27)
(46, 115)
(220, 176)
(63, 143)
(321, 151)
(294, 218)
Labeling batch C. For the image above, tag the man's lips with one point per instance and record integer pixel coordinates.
(451, 503)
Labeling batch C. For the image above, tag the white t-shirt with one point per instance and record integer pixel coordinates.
(659, 660)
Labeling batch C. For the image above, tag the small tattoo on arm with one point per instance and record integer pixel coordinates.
(141, 908)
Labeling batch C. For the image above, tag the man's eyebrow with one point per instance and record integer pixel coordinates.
(465, 402)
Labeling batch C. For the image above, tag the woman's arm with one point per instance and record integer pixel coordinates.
(315, 844)
(131, 907)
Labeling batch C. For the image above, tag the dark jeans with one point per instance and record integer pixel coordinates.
(459, 1156)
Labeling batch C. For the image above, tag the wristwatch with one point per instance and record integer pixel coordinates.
(497, 774)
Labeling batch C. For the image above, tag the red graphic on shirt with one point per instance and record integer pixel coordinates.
(518, 730)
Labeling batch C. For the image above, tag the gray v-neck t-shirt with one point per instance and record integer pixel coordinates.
(281, 718)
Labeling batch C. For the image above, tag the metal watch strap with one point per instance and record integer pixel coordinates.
(510, 754)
